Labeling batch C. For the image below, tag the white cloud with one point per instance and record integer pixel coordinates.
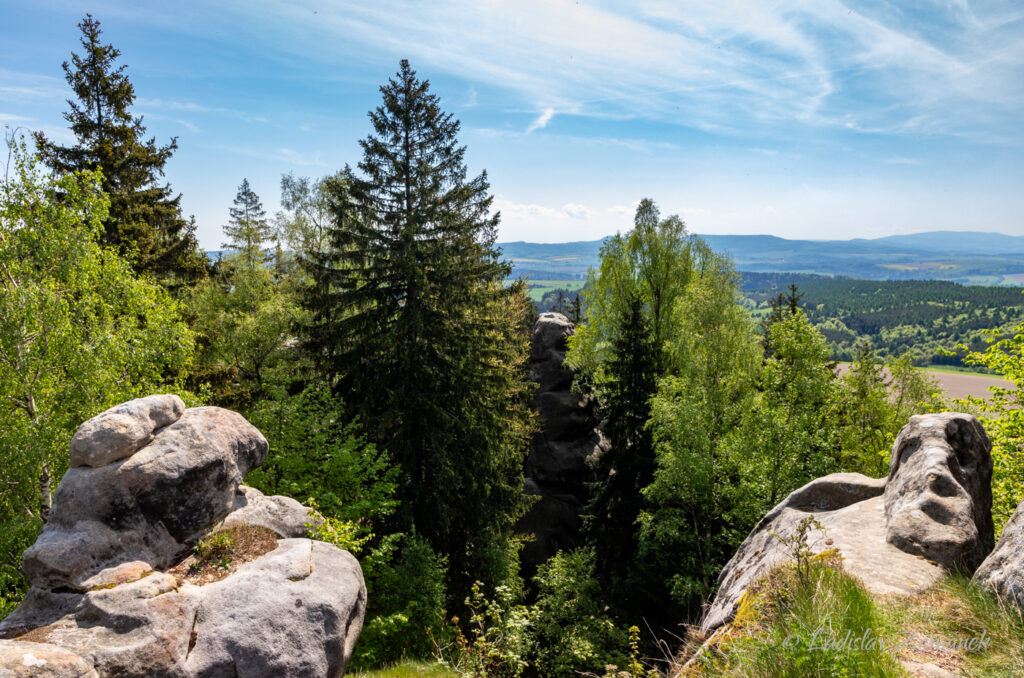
(542, 120)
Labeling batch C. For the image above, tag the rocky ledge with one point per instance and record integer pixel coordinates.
(109, 595)
(898, 534)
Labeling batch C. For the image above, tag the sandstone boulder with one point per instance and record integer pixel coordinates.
(147, 507)
(123, 429)
(41, 660)
(938, 499)
(283, 516)
(896, 534)
(1003, 570)
(258, 621)
(105, 600)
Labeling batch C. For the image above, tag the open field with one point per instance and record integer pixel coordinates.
(410, 669)
(957, 384)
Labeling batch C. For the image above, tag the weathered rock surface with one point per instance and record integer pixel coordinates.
(1003, 570)
(283, 516)
(256, 622)
(123, 429)
(938, 501)
(563, 454)
(896, 534)
(101, 603)
(41, 660)
(150, 506)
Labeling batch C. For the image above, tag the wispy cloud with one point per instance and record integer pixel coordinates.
(725, 68)
(166, 106)
(542, 120)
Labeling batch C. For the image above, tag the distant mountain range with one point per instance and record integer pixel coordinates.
(963, 256)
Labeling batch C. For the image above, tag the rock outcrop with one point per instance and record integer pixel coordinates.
(148, 479)
(1003, 570)
(564, 452)
(938, 500)
(897, 534)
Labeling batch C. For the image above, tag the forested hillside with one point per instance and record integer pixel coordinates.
(370, 331)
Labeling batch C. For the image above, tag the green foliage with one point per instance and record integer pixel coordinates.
(245, 319)
(877, 401)
(317, 453)
(78, 333)
(411, 322)
(144, 220)
(572, 630)
(699, 504)
(498, 639)
(654, 262)
(214, 549)
(348, 535)
(406, 602)
(922, 318)
(628, 466)
(796, 617)
(248, 229)
(791, 433)
(1005, 424)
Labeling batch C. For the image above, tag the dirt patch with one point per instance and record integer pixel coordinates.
(220, 554)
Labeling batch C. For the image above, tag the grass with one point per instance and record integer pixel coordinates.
(410, 669)
(219, 553)
(823, 623)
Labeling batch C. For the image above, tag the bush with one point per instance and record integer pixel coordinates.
(498, 639)
(572, 628)
(406, 602)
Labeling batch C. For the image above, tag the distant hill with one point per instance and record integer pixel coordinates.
(960, 256)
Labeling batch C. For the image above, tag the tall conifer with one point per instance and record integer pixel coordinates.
(145, 220)
(413, 324)
(248, 229)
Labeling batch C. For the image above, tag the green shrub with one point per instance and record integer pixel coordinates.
(406, 602)
(572, 629)
(498, 640)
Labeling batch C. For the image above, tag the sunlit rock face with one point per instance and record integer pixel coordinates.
(147, 479)
(897, 534)
(1003, 570)
(938, 499)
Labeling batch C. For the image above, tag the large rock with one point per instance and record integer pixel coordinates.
(564, 452)
(895, 534)
(283, 516)
(24, 659)
(103, 603)
(123, 429)
(1003, 570)
(938, 500)
(149, 506)
(257, 622)
(849, 508)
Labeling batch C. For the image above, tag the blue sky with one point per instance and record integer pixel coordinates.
(815, 119)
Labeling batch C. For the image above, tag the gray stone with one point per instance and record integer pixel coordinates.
(150, 506)
(296, 611)
(564, 452)
(123, 429)
(282, 515)
(849, 507)
(1003, 570)
(938, 498)
(23, 659)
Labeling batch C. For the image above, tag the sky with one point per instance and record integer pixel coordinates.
(816, 119)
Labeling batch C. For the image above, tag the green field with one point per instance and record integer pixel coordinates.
(538, 288)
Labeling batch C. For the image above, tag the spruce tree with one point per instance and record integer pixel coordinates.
(145, 221)
(248, 228)
(628, 465)
(414, 327)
